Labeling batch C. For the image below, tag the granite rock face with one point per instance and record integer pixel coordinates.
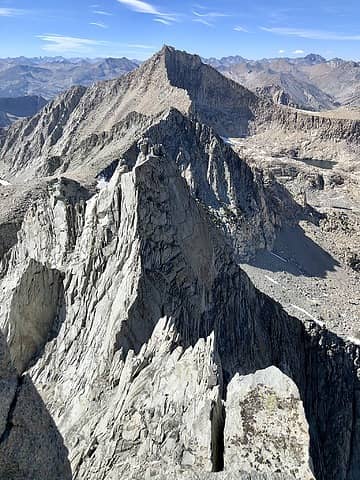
(123, 301)
(265, 417)
(240, 201)
(153, 328)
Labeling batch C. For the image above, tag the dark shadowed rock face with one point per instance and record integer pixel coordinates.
(12, 109)
(216, 101)
(22, 106)
(30, 444)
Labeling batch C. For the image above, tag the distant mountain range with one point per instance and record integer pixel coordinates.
(310, 83)
(12, 109)
(47, 77)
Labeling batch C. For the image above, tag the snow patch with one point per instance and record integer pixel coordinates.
(272, 280)
(278, 256)
(227, 140)
(102, 183)
(354, 340)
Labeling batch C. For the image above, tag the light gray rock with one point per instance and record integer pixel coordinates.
(155, 322)
(265, 426)
(127, 306)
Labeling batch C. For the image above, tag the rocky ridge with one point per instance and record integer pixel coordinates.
(159, 272)
(122, 299)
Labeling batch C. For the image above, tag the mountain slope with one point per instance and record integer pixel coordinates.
(122, 296)
(170, 79)
(60, 137)
(153, 326)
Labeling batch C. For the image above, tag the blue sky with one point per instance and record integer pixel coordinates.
(136, 29)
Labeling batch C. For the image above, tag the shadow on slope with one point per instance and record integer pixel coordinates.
(30, 443)
(189, 277)
(297, 254)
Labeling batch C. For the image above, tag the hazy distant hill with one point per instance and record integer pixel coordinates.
(311, 82)
(48, 76)
(13, 108)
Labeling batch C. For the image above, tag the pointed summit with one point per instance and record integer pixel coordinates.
(215, 100)
(169, 79)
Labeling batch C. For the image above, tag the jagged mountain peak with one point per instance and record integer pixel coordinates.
(315, 58)
(169, 79)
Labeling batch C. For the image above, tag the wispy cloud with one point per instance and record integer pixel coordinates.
(62, 44)
(311, 34)
(298, 52)
(103, 12)
(210, 14)
(239, 28)
(281, 52)
(207, 17)
(141, 46)
(11, 12)
(99, 24)
(203, 22)
(163, 21)
(144, 7)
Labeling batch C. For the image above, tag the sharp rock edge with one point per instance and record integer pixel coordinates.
(149, 363)
(151, 349)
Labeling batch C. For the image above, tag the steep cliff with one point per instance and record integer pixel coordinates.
(139, 362)
(332, 125)
(122, 299)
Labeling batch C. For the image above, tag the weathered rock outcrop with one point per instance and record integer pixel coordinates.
(157, 322)
(245, 206)
(331, 127)
(266, 419)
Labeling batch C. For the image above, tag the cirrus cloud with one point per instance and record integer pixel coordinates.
(238, 28)
(63, 44)
(11, 12)
(310, 34)
(144, 7)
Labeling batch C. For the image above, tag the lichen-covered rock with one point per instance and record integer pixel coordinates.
(266, 427)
